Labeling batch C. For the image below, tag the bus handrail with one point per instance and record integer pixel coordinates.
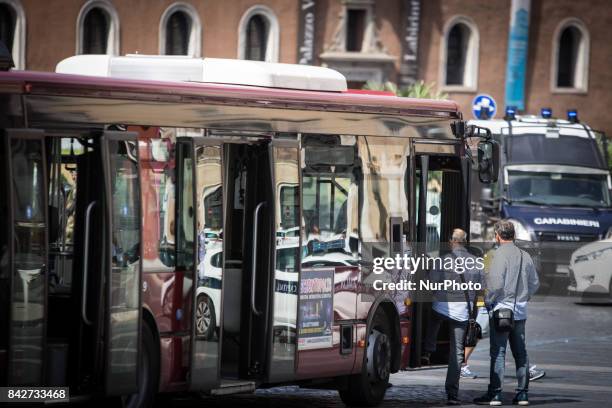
(86, 262)
(254, 257)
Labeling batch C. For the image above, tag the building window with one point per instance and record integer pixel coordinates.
(256, 39)
(356, 49)
(180, 31)
(177, 34)
(12, 30)
(569, 42)
(98, 28)
(258, 35)
(95, 32)
(570, 57)
(456, 54)
(7, 26)
(460, 55)
(355, 29)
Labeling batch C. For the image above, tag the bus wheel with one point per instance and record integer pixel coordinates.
(368, 388)
(206, 321)
(148, 372)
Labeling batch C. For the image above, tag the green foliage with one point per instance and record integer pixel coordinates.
(378, 86)
(419, 89)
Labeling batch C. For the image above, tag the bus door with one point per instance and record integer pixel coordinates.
(286, 210)
(438, 201)
(258, 260)
(122, 262)
(232, 200)
(200, 251)
(244, 223)
(23, 262)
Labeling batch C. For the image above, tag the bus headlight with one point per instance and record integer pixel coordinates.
(520, 231)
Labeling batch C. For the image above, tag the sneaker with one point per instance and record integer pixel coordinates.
(489, 399)
(521, 399)
(425, 358)
(453, 401)
(535, 374)
(467, 373)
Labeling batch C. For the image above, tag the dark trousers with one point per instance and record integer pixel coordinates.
(499, 342)
(455, 348)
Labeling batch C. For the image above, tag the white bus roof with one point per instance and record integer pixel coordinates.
(206, 70)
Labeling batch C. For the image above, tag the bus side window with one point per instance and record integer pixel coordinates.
(158, 175)
(185, 211)
(330, 205)
(65, 152)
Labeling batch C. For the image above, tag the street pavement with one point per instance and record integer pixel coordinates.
(573, 343)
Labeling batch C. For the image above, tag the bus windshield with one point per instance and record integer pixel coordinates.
(561, 189)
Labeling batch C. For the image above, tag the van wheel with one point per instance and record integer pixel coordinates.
(148, 372)
(368, 388)
(206, 321)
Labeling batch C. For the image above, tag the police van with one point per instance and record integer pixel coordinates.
(554, 186)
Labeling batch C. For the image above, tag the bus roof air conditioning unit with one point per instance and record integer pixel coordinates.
(206, 70)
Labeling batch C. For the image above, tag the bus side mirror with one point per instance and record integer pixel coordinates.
(488, 161)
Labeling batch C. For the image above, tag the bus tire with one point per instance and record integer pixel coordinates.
(368, 388)
(148, 372)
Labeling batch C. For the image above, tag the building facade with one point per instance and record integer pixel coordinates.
(460, 45)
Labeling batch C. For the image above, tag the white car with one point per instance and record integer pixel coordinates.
(288, 233)
(208, 293)
(286, 288)
(329, 259)
(591, 271)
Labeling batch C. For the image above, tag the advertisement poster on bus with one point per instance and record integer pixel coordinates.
(316, 309)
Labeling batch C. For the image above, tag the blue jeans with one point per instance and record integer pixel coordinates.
(499, 342)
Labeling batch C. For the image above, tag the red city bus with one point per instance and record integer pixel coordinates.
(173, 224)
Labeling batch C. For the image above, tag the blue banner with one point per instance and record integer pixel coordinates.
(516, 65)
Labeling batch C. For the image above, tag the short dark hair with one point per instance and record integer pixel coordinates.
(505, 230)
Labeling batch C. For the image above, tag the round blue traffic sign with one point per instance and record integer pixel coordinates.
(484, 107)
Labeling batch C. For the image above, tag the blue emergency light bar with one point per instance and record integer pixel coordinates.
(510, 113)
(546, 113)
(572, 116)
